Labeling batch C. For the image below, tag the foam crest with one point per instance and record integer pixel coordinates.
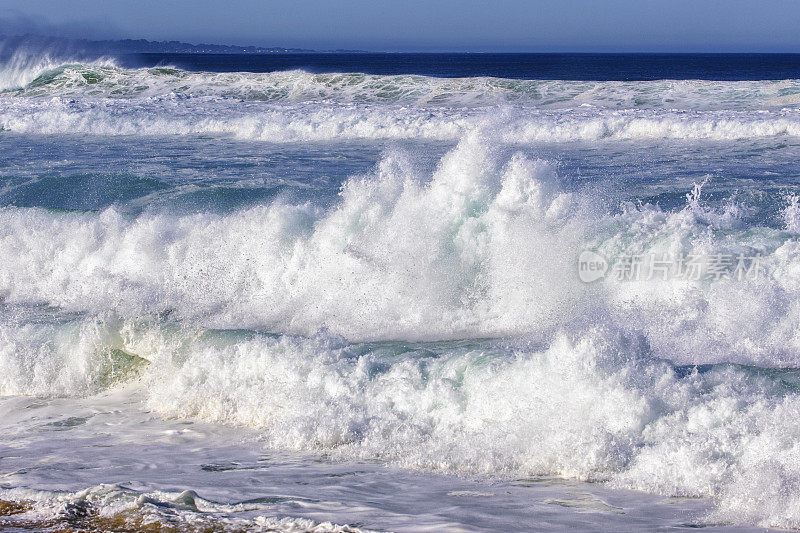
(325, 122)
(50, 78)
(485, 246)
(398, 257)
(25, 65)
(593, 405)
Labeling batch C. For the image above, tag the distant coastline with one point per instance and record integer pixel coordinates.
(133, 46)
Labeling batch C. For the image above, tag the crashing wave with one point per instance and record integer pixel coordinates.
(42, 76)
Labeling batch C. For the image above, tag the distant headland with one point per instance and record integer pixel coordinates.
(133, 46)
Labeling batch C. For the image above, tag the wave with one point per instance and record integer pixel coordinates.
(24, 65)
(434, 322)
(484, 247)
(322, 122)
(29, 75)
(43, 96)
(116, 508)
(594, 405)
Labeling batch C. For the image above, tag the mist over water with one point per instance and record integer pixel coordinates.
(382, 270)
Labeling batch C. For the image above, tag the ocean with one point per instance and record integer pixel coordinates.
(399, 292)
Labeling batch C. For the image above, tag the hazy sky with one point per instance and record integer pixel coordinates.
(465, 25)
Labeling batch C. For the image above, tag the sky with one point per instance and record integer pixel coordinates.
(432, 25)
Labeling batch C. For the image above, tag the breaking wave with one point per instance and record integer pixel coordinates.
(649, 386)
(42, 76)
(483, 247)
(117, 508)
(321, 122)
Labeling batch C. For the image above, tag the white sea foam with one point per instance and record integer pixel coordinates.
(340, 122)
(483, 247)
(595, 408)
(593, 405)
(400, 257)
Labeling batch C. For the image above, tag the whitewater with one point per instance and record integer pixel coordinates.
(340, 301)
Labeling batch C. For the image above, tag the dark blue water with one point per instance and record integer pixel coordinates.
(600, 67)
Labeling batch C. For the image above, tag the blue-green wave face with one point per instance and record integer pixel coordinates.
(105, 79)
